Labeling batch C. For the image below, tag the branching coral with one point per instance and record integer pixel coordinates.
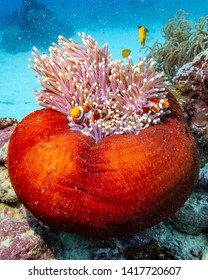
(183, 41)
(121, 98)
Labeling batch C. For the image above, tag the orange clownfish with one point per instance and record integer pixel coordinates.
(78, 113)
(159, 104)
(126, 53)
(142, 34)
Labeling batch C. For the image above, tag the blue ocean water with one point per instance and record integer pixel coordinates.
(112, 21)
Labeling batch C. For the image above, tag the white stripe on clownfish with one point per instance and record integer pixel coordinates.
(78, 113)
(159, 104)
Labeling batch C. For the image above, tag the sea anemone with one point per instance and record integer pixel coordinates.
(183, 41)
(122, 98)
(110, 153)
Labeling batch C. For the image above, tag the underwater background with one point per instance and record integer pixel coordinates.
(177, 34)
(24, 24)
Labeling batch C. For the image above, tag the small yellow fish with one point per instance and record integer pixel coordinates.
(126, 53)
(142, 34)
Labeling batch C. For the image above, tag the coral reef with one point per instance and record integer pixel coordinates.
(191, 83)
(71, 171)
(29, 26)
(183, 41)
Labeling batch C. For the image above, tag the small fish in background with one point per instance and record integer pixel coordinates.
(126, 53)
(142, 34)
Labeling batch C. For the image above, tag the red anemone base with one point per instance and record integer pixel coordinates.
(122, 184)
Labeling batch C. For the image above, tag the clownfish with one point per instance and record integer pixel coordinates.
(78, 113)
(142, 34)
(159, 104)
(126, 53)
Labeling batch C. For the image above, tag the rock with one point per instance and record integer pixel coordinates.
(7, 122)
(148, 251)
(192, 77)
(139, 239)
(7, 193)
(108, 254)
(191, 83)
(22, 237)
(181, 245)
(205, 255)
(203, 178)
(92, 243)
(192, 218)
(71, 247)
(7, 126)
